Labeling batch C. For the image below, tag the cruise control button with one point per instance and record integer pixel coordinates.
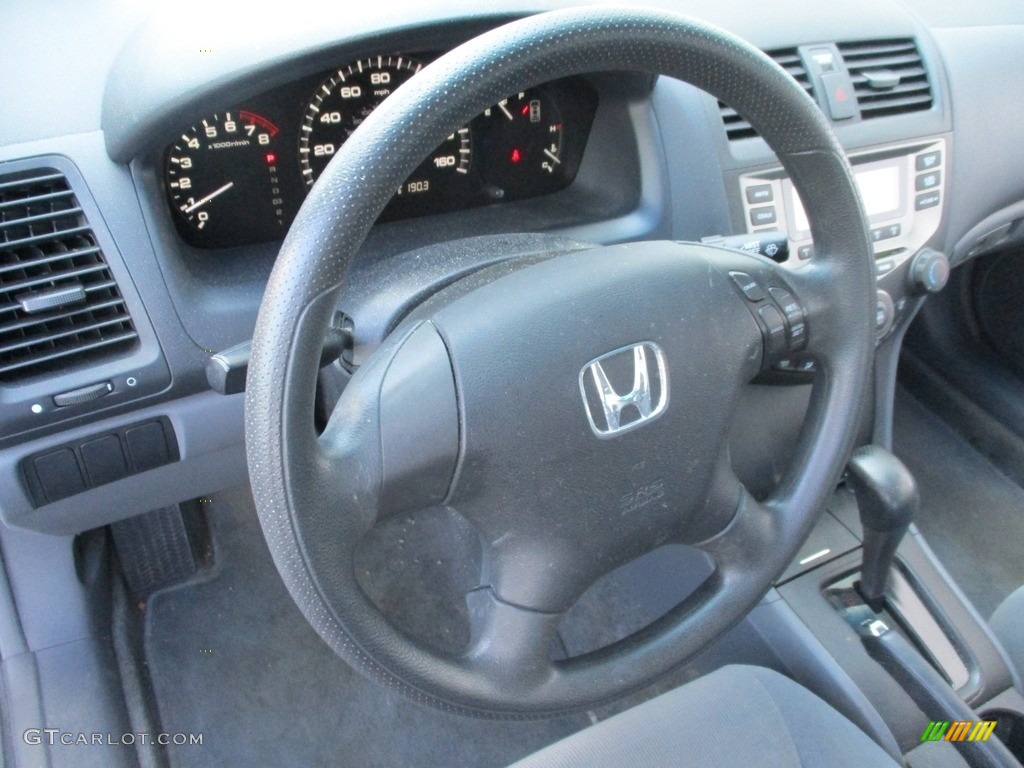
(748, 285)
(760, 217)
(797, 336)
(761, 193)
(926, 201)
(927, 161)
(784, 299)
(795, 320)
(928, 181)
(775, 337)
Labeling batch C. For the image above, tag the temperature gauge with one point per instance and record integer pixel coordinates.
(523, 139)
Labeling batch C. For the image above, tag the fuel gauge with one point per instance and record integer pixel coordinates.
(522, 140)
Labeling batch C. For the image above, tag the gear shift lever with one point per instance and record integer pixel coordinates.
(887, 499)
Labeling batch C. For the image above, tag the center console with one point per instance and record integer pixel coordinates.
(884, 622)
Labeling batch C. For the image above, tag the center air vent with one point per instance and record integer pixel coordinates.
(888, 77)
(787, 58)
(59, 303)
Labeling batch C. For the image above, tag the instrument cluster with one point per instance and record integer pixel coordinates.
(240, 175)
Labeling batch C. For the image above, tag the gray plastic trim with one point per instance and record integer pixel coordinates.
(28, 404)
(856, 134)
(620, 193)
(810, 664)
(21, 684)
(988, 116)
(210, 438)
(158, 82)
(995, 672)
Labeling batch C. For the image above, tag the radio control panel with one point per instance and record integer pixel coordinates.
(902, 187)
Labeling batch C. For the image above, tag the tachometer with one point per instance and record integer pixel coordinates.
(346, 98)
(223, 180)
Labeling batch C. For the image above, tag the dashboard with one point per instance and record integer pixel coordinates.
(165, 183)
(239, 175)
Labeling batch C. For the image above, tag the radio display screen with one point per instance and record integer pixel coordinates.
(879, 189)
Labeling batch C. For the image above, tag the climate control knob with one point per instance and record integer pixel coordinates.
(929, 271)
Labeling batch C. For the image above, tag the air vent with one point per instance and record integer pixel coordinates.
(888, 77)
(59, 304)
(787, 58)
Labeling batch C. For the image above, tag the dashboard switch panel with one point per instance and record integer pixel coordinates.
(72, 468)
(147, 446)
(104, 460)
(58, 474)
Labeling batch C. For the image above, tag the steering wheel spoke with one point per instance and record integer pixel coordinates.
(510, 644)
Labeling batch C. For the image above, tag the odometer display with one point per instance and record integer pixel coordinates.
(345, 99)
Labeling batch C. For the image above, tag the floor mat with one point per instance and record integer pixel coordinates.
(971, 514)
(234, 659)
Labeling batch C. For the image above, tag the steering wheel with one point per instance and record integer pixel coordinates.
(576, 410)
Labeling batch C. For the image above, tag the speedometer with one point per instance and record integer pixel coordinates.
(346, 98)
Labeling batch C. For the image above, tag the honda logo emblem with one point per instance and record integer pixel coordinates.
(611, 413)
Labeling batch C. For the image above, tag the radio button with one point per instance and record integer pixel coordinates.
(884, 267)
(885, 314)
(760, 217)
(927, 161)
(761, 193)
(928, 181)
(885, 233)
(929, 200)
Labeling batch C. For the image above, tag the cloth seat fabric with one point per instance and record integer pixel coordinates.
(1008, 624)
(735, 716)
